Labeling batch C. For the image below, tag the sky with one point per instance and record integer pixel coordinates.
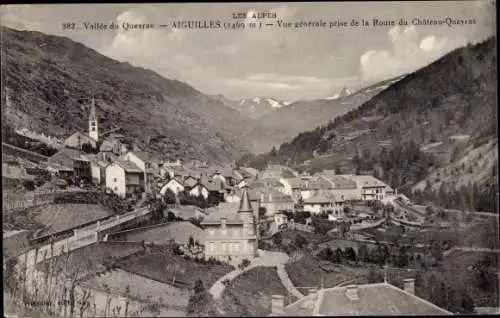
(284, 63)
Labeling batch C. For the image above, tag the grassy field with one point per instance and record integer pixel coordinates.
(250, 293)
(86, 260)
(160, 264)
(140, 288)
(60, 217)
(307, 272)
(180, 231)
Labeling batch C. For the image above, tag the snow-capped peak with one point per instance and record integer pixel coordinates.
(256, 100)
(287, 103)
(274, 103)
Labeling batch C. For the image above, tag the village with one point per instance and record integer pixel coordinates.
(125, 233)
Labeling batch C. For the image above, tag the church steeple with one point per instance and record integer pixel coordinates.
(245, 205)
(93, 129)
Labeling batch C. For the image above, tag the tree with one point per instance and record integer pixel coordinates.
(363, 253)
(301, 241)
(350, 254)
(169, 197)
(191, 241)
(198, 286)
(277, 239)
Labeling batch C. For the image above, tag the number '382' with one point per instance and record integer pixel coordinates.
(68, 26)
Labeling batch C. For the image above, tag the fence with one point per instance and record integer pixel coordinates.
(27, 200)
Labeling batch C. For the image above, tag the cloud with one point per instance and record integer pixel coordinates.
(406, 53)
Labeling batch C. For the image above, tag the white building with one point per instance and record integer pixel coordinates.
(198, 190)
(125, 179)
(371, 188)
(173, 185)
(318, 204)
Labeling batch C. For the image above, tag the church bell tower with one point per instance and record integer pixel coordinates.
(93, 129)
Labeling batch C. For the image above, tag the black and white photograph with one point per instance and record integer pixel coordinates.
(209, 159)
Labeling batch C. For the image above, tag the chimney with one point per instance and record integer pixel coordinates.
(278, 304)
(352, 292)
(223, 223)
(409, 285)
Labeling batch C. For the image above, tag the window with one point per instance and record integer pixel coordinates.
(114, 179)
(116, 189)
(93, 128)
(236, 246)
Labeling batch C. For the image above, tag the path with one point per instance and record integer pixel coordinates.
(264, 259)
(472, 249)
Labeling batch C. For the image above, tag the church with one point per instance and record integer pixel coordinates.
(231, 232)
(83, 141)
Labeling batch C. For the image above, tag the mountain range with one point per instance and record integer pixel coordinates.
(253, 107)
(437, 124)
(49, 80)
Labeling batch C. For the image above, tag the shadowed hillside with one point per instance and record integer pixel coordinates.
(48, 78)
(420, 123)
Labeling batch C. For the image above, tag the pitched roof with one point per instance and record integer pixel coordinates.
(367, 181)
(340, 181)
(225, 210)
(143, 155)
(376, 300)
(67, 156)
(297, 183)
(128, 166)
(380, 299)
(107, 145)
(15, 172)
(320, 198)
(84, 135)
(245, 205)
(319, 183)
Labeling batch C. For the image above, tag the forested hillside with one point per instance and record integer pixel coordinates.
(410, 128)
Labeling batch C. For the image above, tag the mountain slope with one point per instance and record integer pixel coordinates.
(455, 95)
(48, 78)
(282, 125)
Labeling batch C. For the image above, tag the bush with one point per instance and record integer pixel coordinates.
(244, 264)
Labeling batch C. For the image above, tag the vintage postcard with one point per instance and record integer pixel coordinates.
(250, 159)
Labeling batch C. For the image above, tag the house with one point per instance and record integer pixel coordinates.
(218, 176)
(273, 184)
(190, 182)
(173, 185)
(231, 230)
(343, 186)
(98, 168)
(145, 162)
(274, 171)
(294, 186)
(199, 189)
(248, 172)
(71, 164)
(380, 299)
(78, 140)
(14, 175)
(321, 203)
(125, 179)
(273, 202)
(371, 188)
(314, 185)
